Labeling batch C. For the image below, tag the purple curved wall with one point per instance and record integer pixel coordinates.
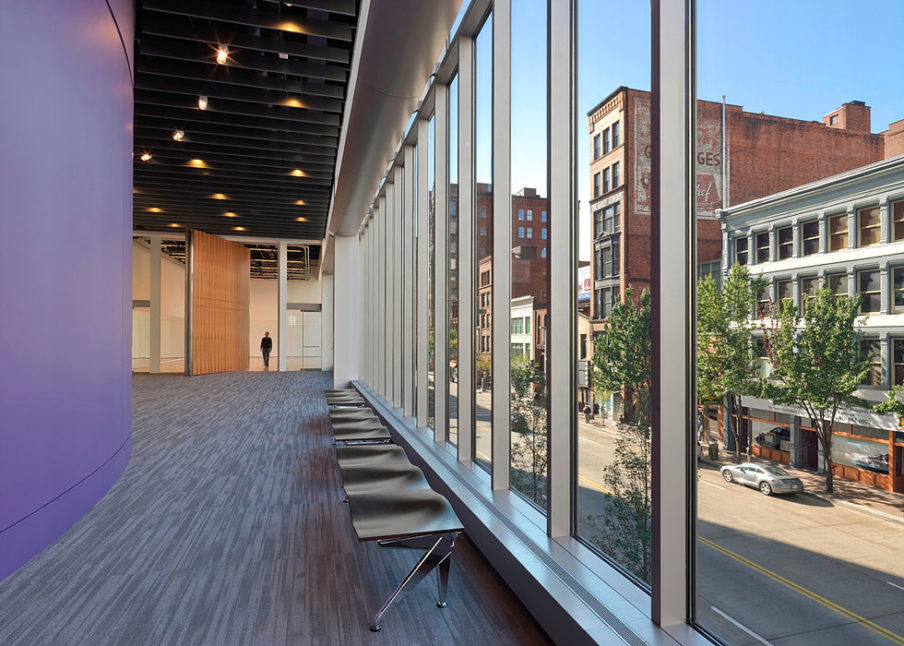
(65, 264)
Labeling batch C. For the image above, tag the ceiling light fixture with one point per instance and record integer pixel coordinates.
(300, 202)
(146, 157)
(283, 56)
(178, 134)
(175, 225)
(197, 163)
(222, 55)
(297, 173)
(155, 209)
(219, 196)
(239, 229)
(230, 214)
(202, 102)
(301, 219)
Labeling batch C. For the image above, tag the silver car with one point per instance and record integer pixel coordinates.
(769, 479)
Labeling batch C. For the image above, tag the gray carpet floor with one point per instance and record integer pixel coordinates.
(228, 528)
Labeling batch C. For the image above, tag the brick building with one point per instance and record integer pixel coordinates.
(763, 154)
(529, 271)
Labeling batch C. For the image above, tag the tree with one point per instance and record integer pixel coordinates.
(621, 360)
(725, 355)
(818, 365)
(529, 443)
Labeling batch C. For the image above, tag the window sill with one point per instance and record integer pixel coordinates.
(572, 593)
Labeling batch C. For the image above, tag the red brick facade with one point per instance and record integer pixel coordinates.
(763, 154)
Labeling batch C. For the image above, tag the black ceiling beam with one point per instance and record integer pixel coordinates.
(218, 119)
(225, 185)
(226, 106)
(152, 185)
(301, 230)
(164, 25)
(161, 199)
(252, 18)
(235, 93)
(234, 177)
(170, 156)
(192, 128)
(238, 145)
(243, 60)
(346, 7)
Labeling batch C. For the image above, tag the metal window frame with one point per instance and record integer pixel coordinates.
(502, 243)
(398, 238)
(423, 206)
(410, 296)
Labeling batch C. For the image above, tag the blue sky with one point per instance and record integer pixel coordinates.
(799, 59)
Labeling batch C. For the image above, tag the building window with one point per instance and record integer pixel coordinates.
(543, 252)
(452, 208)
(606, 141)
(762, 302)
(808, 288)
(785, 243)
(483, 230)
(837, 284)
(869, 288)
(543, 216)
(521, 232)
(871, 348)
(833, 120)
(783, 293)
(606, 269)
(530, 215)
(605, 180)
(740, 251)
(583, 346)
(596, 146)
(521, 214)
(868, 226)
(898, 361)
(597, 186)
(897, 211)
(543, 233)
(615, 175)
(810, 234)
(761, 242)
(616, 131)
(530, 232)
(898, 288)
(483, 213)
(838, 232)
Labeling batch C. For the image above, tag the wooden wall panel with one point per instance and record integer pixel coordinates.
(220, 297)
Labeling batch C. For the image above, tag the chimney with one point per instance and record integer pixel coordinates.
(853, 116)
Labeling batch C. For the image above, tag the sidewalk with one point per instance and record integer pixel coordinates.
(884, 504)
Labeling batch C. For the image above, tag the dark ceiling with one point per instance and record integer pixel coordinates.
(273, 108)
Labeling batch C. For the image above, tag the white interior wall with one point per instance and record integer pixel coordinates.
(262, 307)
(303, 330)
(172, 305)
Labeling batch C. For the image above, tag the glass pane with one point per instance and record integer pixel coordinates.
(453, 261)
(483, 244)
(431, 276)
(788, 569)
(530, 271)
(613, 513)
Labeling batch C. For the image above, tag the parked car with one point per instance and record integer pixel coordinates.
(769, 479)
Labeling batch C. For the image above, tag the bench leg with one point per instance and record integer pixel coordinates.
(439, 552)
(442, 579)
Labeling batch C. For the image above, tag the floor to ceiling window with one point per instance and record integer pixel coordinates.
(452, 246)
(614, 270)
(431, 276)
(483, 243)
(529, 307)
(777, 412)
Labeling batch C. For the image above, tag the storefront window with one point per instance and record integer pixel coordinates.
(861, 454)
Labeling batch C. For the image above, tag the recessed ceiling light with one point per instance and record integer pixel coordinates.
(219, 196)
(202, 102)
(175, 225)
(178, 135)
(145, 157)
(239, 229)
(292, 102)
(197, 163)
(155, 209)
(297, 173)
(301, 219)
(230, 214)
(300, 202)
(222, 55)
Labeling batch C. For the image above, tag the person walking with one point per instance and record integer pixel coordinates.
(266, 347)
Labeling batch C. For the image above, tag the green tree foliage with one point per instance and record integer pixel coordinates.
(529, 437)
(725, 353)
(622, 360)
(817, 364)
